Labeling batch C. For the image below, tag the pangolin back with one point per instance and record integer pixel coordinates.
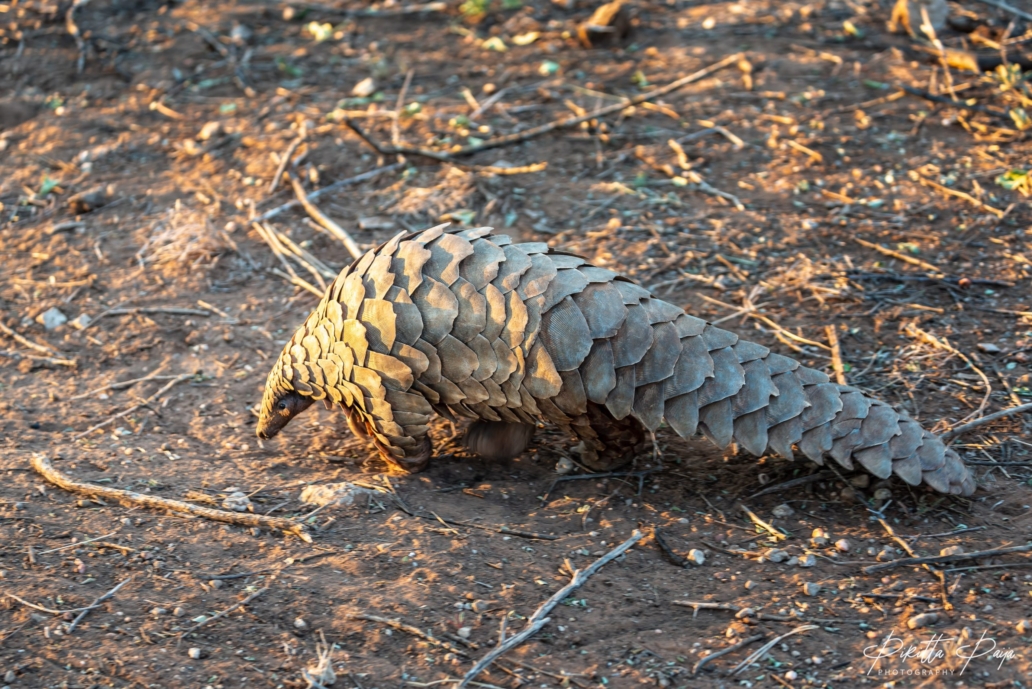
(467, 323)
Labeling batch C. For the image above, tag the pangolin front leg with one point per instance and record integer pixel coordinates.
(468, 324)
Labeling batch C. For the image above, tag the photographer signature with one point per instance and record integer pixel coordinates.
(932, 650)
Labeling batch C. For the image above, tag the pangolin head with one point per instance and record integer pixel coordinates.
(281, 401)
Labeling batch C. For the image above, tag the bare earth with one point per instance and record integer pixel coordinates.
(816, 152)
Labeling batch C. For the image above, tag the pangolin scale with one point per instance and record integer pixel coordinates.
(465, 323)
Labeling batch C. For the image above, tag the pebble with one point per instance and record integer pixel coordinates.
(792, 561)
(808, 560)
(791, 675)
(194, 653)
(178, 612)
(299, 623)
(696, 556)
(81, 321)
(842, 545)
(776, 555)
(860, 481)
(209, 130)
(158, 611)
(564, 466)
(952, 550)
(885, 555)
(52, 318)
(483, 605)
(364, 88)
(10, 676)
(750, 584)
(1024, 627)
(745, 612)
(216, 583)
(925, 619)
(810, 588)
(819, 537)
(464, 632)
(882, 494)
(782, 511)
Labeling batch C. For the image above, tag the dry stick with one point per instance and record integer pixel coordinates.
(298, 282)
(725, 651)
(286, 244)
(767, 646)
(336, 186)
(936, 559)
(73, 29)
(152, 309)
(1009, 8)
(41, 608)
(300, 252)
(110, 420)
(764, 525)
(18, 356)
(801, 481)
(916, 332)
(415, 631)
(223, 613)
(395, 125)
(959, 430)
(910, 551)
(902, 257)
(153, 375)
(836, 355)
(538, 619)
(317, 215)
(601, 112)
(284, 162)
(45, 468)
(95, 604)
(42, 349)
(961, 195)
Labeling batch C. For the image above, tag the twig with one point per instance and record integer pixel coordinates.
(946, 101)
(1009, 8)
(836, 355)
(960, 195)
(910, 551)
(150, 309)
(168, 386)
(41, 608)
(759, 653)
(22, 340)
(667, 550)
(408, 628)
(76, 544)
(395, 124)
(724, 651)
(565, 123)
(299, 282)
(321, 218)
(73, 29)
(223, 613)
(916, 332)
(53, 361)
(902, 257)
(95, 604)
(937, 559)
(794, 483)
(153, 375)
(959, 430)
(336, 186)
(539, 619)
(284, 162)
(764, 525)
(45, 468)
(388, 12)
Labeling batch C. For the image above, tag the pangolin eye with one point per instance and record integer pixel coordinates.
(282, 406)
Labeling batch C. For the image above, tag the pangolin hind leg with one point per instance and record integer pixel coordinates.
(607, 443)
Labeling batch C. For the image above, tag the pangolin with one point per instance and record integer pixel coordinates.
(466, 323)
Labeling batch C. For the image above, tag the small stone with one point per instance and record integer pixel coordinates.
(810, 588)
(808, 560)
(819, 537)
(745, 612)
(195, 653)
(376, 222)
(364, 88)
(860, 481)
(299, 623)
(82, 321)
(178, 612)
(792, 561)
(749, 585)
(989, 347)
(1024, 627)
(52, 318)
(783, 511)
(776, 555)
(158, 611)
(238, 502)
(240, 34)
(882, 494)
(216, 583)
(9, 676)
(696, 556)
(483, 605)
(887, 554)
(464, 632)
(564, 466)
(209, 130)
(925, 619)
(842, 545)
(791, 675)
(952, 550)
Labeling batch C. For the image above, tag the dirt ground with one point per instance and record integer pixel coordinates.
(170, 136)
